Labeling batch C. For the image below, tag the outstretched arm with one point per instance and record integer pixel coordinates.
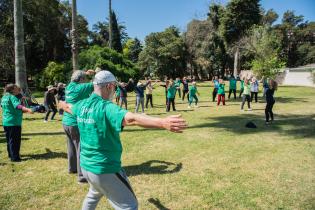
(174, 123)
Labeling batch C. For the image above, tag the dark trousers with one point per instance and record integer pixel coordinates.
(148, 99)
(169, 102)
(73, 147)
(253, 94)
(13, 136)
(123, 100)
(50, 108)
(268, 111)
(221, 97)
(117, 100)
(246, 98)
(179, 93)
(234, 92)
(184, 93)
(214, 94)
(241, 92)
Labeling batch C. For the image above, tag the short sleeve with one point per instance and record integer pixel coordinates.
(15, 101)
(87, 88)
(115, 116)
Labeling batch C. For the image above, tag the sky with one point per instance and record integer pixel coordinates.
(142, 17)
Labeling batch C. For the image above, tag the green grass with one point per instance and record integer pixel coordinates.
(216, 163)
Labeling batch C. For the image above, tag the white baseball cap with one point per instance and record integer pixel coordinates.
(103, 77)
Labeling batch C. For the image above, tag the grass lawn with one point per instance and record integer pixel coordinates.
(216, 163)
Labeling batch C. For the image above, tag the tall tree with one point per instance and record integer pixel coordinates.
(74, 46)
(115, 33)
(20, 66)
(239, 17)
(110, 24)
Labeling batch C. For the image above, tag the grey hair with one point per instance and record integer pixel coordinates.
(77, 75)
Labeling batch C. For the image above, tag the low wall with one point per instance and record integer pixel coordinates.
(296, 77)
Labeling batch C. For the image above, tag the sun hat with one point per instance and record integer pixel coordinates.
(139, 83)
(103, 77)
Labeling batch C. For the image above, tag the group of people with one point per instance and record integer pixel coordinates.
(92, 124)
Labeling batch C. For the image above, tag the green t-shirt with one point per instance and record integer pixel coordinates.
(99, 123)
(117, 92)
(242, 84)
(75, 92)
(177, 83)
(246, 89)
(221, 89)
(192, 91)
(171, 91)
(232, 84)
(11, 116)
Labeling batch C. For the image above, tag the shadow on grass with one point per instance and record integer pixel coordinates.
(299, 126)
(43, 134)
(153, 167)
(156, 202)
(45, 156)
(4, 140)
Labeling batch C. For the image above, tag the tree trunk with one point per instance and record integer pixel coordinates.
(110, 30)
(236, 63)
(20, 66)
(75, 51)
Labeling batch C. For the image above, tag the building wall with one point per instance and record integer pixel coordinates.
(295, 77)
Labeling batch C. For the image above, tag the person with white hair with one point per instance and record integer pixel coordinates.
(254, 90)
(77, 90)
(193, 94)
(100, 122)
(139, 90)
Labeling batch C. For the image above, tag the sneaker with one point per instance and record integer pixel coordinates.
(45, 121)
(196, 106)
(267, 123)
(189, 107)
(242, 110)
(250, 109)
(82, 181)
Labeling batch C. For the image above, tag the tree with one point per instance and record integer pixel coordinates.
(269, 17)
(164, 54)
(239, 17)
(116, 37)
(20, 66)
(132, 49)
(74, 45)
(266, 47)
(110, 34)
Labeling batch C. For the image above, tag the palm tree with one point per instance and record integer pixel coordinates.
(74, 46)
(20, 66)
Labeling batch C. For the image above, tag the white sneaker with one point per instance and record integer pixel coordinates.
(249, 109)
(196, 106)
(189, 107)
(242, 110)
(45, 121)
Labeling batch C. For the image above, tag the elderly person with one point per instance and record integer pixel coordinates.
(12, 112)
(77, 90)
(100, 122)
(254, 89)
(50, 103)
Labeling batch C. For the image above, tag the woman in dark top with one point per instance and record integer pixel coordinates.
(270, 100)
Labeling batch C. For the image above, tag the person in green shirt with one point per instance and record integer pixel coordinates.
(221, 92)
(12, 112)
(117, 94)
(100, 123)
(171, 92)
(232, 87)
(178, 82)
(242, 87)
(192, 95)
(246, 95)
(77, 90)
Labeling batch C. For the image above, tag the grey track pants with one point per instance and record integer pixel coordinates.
(115, 187)
(73, 146)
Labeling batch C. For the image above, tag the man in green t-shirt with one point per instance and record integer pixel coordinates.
(77, 90)
(12, 112)
(100, 122)
(171, 93)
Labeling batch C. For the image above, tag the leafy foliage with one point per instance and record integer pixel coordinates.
(108, 59)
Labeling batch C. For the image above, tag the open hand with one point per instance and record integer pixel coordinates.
(175, 123)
